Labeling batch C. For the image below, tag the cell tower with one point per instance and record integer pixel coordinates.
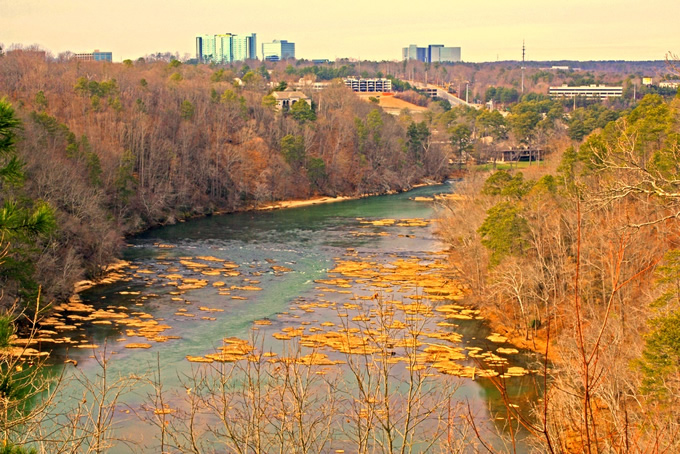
(523, 53)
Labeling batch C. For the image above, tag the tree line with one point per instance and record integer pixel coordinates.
(578, 259)
(112, 149)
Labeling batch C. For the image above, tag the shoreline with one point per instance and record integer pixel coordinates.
(111, 272)
(303, 202)
(110, 275)
(536, 344)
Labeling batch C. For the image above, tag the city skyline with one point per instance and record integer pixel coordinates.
(486, 30)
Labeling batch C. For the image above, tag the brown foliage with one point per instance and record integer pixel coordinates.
(118, 148)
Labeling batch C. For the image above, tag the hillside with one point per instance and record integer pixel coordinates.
(116, 148)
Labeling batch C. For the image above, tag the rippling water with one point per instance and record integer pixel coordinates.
(305, 242)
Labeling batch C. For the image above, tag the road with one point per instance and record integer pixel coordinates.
(442, 94)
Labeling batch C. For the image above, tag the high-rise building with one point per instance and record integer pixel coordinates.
(278, 50)
(226, 48)
(431, 54)
(205, 48)
(244, 47)
(448, 54)
(413, 52)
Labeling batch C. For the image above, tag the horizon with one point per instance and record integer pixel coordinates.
(574, 32)
(36, 47)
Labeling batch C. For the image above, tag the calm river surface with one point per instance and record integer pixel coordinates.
(276, 257)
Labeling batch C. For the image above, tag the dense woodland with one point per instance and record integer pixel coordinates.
(116, 148)
(578, 259)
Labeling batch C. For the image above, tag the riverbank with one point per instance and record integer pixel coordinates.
(112, 272)
(212, 281)
(303, 202)
(538, 343)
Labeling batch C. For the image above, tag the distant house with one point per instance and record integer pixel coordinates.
(675, 83)
(521, 154)
(286, 99)
(308, 84)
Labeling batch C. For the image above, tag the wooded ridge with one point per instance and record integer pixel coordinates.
(579, 259)
(113, 149)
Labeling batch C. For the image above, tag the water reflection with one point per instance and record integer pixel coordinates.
(281, 253)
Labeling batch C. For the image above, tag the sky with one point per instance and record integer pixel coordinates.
(486, 30)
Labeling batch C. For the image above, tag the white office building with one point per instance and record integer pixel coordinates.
(278, 50)
(434, 53)
(360, 84)
(588, 92)
(670, 83)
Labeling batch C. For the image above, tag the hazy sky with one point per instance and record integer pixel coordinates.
(486, 30)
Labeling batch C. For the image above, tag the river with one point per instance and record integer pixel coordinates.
(256, 276)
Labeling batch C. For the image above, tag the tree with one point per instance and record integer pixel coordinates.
(504, 231)
(418, 136)
(660, 361)
(661, 357)
(374, 122)
(269, 102)
(524, 124)
(41, 100)
(491, 123)
(637, 155)
(293, 150)
(21, 224)
(302, 112)
(496, 183)
(187, 110)
(528, 118)
(461, 139)
(316, 172)
(11, 169)
(249, 78)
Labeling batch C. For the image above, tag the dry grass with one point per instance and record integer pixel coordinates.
(392, 104)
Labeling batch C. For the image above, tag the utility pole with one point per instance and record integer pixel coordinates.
(523, 52)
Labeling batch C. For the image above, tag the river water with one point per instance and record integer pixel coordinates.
(222, 276)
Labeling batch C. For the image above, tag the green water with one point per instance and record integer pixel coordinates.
(306, 240)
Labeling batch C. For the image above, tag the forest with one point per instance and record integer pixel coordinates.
(575, 257)
(106, 150)
(578, 259)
